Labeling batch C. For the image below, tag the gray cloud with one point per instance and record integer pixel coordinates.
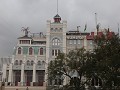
(15, 14)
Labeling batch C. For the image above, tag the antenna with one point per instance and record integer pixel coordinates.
(57, 6)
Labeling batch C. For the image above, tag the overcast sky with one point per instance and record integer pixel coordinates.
(15, 14)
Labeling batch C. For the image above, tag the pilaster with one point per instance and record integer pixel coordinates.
(10, 73)
(47, 49)
(22, 74)
(64, 35)
(4, 72)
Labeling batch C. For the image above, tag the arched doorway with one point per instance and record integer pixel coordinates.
(28, 77)
(40, 77)
(17, 77)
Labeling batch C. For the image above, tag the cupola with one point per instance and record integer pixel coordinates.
(57, 19)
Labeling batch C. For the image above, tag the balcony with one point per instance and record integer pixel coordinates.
(28, 67)
(16, 67)
(40, 67)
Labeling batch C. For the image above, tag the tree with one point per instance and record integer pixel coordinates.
(74, 65)
(106, 59)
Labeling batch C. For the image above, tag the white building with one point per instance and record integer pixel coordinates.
(4, 60)
(33, 53)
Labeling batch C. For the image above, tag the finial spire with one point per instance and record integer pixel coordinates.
(57, 18)
(57, 6)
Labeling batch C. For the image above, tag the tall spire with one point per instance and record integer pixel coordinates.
(57, 6)
(57, 18)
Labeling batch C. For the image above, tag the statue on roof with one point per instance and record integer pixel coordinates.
(25, 30)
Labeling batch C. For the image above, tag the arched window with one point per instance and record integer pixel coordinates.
(39, 63)
(30, 51)
(41, 51)
(96, 81)
(20, 62)
(43, 63)
(32, 62)
(55, 41)
(19, 50)
(16, 62)
(28, 62)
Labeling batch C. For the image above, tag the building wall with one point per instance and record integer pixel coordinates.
(56, 40)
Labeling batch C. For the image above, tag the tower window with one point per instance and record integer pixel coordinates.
(41, 51)
(19, 50)
(55, 52)
(52, 52)
(55, 41)
(30, 51)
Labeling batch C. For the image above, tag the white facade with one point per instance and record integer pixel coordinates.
(33, 53)
(5, 61)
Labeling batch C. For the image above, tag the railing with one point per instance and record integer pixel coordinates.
(25, 83)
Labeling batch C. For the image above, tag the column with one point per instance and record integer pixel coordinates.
(34, 71)
(34, 75)
(4, 72)
(10, 73)
(22, 71)
(22, 74)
